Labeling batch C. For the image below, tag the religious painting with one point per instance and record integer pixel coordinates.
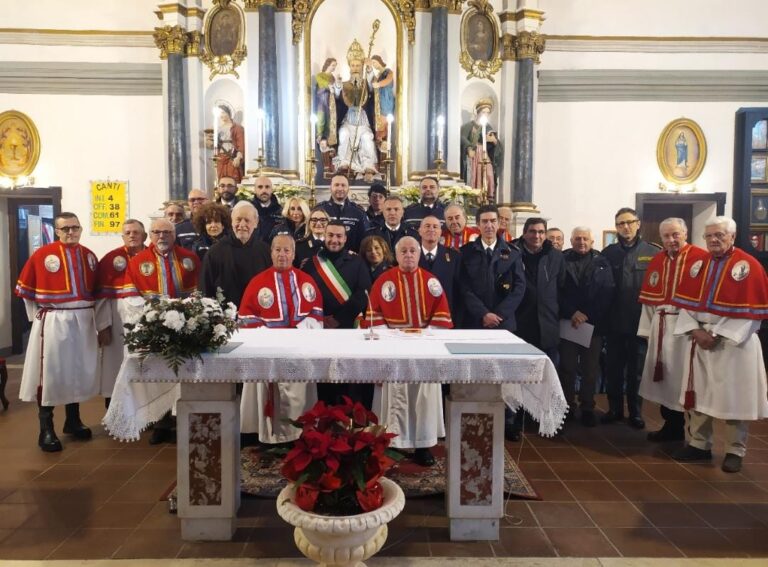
(757, 169)
(757, 241)
(224, 34)
(19, 144)
(354, 85)
(480, 41)
(759, 210)
(609, 237)
(760, 135)
(681, 151)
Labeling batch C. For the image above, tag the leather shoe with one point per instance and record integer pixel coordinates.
(588, 418)
(690, 454)
(666, 434)
(423, 457)
(611, 416)
(636, 422)
(731, 463)
(78, 431)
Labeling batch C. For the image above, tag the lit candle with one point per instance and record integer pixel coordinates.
(313, 125)
(483, 123)
(440, 131)
(263, 128)
(215, 128)
(390, 120)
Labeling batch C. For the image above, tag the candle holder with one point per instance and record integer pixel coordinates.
(439, 163)
(260, 159)
(484, 197)
(311, 161)
(387, 162)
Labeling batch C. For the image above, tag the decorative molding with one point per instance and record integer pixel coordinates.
(421, 5)
(170, 40)
(88, 38)
(447, 4)
(284, 5)
(488, 62)
(192, 47)
(508, 42)
(177, 8)
(524, 14)
(117, 79)
(529, 45)
(652, 85)
(657, 44)
(223, 63)
(407, 9)
(299, 18)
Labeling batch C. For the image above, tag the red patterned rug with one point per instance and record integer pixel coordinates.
(260, 475)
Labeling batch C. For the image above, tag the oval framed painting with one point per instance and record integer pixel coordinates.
(19, 144)
(681, 151)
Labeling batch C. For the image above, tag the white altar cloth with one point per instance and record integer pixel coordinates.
(146, 389)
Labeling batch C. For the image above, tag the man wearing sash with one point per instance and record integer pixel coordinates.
(409, 297)
(113, 285)
(456, 232)
(723, 299)
(343, 279)
(57, 285)
(663, 369)
(280, 297)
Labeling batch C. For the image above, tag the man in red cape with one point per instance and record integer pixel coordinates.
(456, 232)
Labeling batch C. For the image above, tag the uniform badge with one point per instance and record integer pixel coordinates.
(653, 279)
(266, 298)
(52, 263)
(434, 287)
(119, 263)
(92, 263)
(388, 291)
(308, 291)
(188, 264)
(740, 270)
(696, 268)
(147, 268)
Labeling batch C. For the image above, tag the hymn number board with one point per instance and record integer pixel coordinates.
(109, 206)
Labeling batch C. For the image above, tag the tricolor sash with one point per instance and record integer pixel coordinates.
(332, 279)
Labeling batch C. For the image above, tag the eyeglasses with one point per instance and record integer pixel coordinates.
(227, 186)
(73, 228)
(161, 232)
(196, 199)
(626, 223)
(319, 220)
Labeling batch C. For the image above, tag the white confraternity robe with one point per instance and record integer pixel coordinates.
(110, 312)
(729, 380)
(69, 354)
(413, 411)
(674, 349)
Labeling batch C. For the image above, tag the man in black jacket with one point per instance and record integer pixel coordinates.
(428, 205)
(444, 263)
(629, 258)
(393, 228)
(343, 279)
(270, 211)
(339, 207)
(232, 262)
(584, 298)
(376, 195)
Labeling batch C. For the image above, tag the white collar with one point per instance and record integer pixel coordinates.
(433, 251)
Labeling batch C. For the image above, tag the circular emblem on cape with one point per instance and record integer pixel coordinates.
(740, 270)
(388, 291)
(434, 287)
(52, 263)
(696, 268)
(92, 263)
(119, 263)
(266, 298)
(188, 264)
(147, 268)
(653, 279)
(308, 291)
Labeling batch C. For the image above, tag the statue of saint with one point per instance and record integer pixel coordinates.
(229, 146)
(357, 149)
(383, 84)
(325, 103)
(472, 149)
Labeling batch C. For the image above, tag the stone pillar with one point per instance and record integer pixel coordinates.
(172, 41)
(438, 78)
(268, 93)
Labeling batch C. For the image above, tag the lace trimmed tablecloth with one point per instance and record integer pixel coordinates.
(145, 389)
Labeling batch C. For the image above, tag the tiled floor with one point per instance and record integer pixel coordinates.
(606, 492)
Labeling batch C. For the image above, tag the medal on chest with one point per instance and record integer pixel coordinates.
(308, 291)
(147, 268)
(740, 270)
(434, 287)
(266, 298)
(696, 268)
(388, 291)
(188, 264)
(653, 279)
(119, 263)
(52, 263)
(92, 263)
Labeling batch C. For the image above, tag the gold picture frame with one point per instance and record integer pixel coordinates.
(480, 38)
(19, 144)
(681, 151)
(224, 38)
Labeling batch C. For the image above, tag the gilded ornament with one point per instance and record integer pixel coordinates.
(480, 35)
(407, 9)
(284, 5)
(224, 39)
(19, 144)
(170, 40)
(508, 47)
(440, 3)
(192, 48)
(529, 45)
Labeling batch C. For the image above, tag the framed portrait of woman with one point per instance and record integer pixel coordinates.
(681, 151)
(224, 38)
(480, 35)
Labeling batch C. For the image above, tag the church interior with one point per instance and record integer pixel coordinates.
(566, 110)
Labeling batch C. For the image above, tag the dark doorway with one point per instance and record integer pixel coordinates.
(654, 213)
(693, 208)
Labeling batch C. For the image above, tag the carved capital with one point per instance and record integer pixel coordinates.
(299, 18)
(192, 48)
(407, 10)
(508, 47)
(447, 4)
(529, 45)
(170, 39)
(254, 5)
(284, 5)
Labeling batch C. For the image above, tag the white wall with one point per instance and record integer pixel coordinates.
(5, 279)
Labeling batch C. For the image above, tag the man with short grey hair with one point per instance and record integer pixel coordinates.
(723, 299)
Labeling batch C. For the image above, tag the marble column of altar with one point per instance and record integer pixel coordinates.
(438, 79)
(523, 179)
(268, 83)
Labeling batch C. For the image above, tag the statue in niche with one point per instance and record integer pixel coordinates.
(356, 152)
(229, 146)
(383, 84)
(472, 149)
(325, 104)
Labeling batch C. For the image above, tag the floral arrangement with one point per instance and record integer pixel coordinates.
(447, 193)
(283, 192)
(181, 329)
(339, 459)
(410, 193)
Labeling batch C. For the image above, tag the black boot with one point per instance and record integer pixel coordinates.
(3, 382)
(47, 440)
(73, 426)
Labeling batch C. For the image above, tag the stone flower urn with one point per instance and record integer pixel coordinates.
(341, 541)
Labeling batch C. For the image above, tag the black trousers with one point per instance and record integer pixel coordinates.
(625, 359)
(584, 361)
(673, 419)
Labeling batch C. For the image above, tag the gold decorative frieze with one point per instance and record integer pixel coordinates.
(284, 5)
(530, 45)
(170, 40)
(421, 5)
(440, 4)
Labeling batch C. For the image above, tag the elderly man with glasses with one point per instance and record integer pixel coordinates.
(57, 285)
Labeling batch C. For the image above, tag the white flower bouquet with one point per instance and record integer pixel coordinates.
(181, 329)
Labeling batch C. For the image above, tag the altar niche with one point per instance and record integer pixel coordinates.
(353, 79)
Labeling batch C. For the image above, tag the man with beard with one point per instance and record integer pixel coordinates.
(339, 207)
(185, 232)
(270, 211)
(427, 205)
(280, 297)
(227, 189)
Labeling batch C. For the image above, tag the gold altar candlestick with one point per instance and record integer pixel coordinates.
(439, 163)
(311, 161)
(387, 162)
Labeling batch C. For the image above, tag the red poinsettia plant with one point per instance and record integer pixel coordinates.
(338, 460)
